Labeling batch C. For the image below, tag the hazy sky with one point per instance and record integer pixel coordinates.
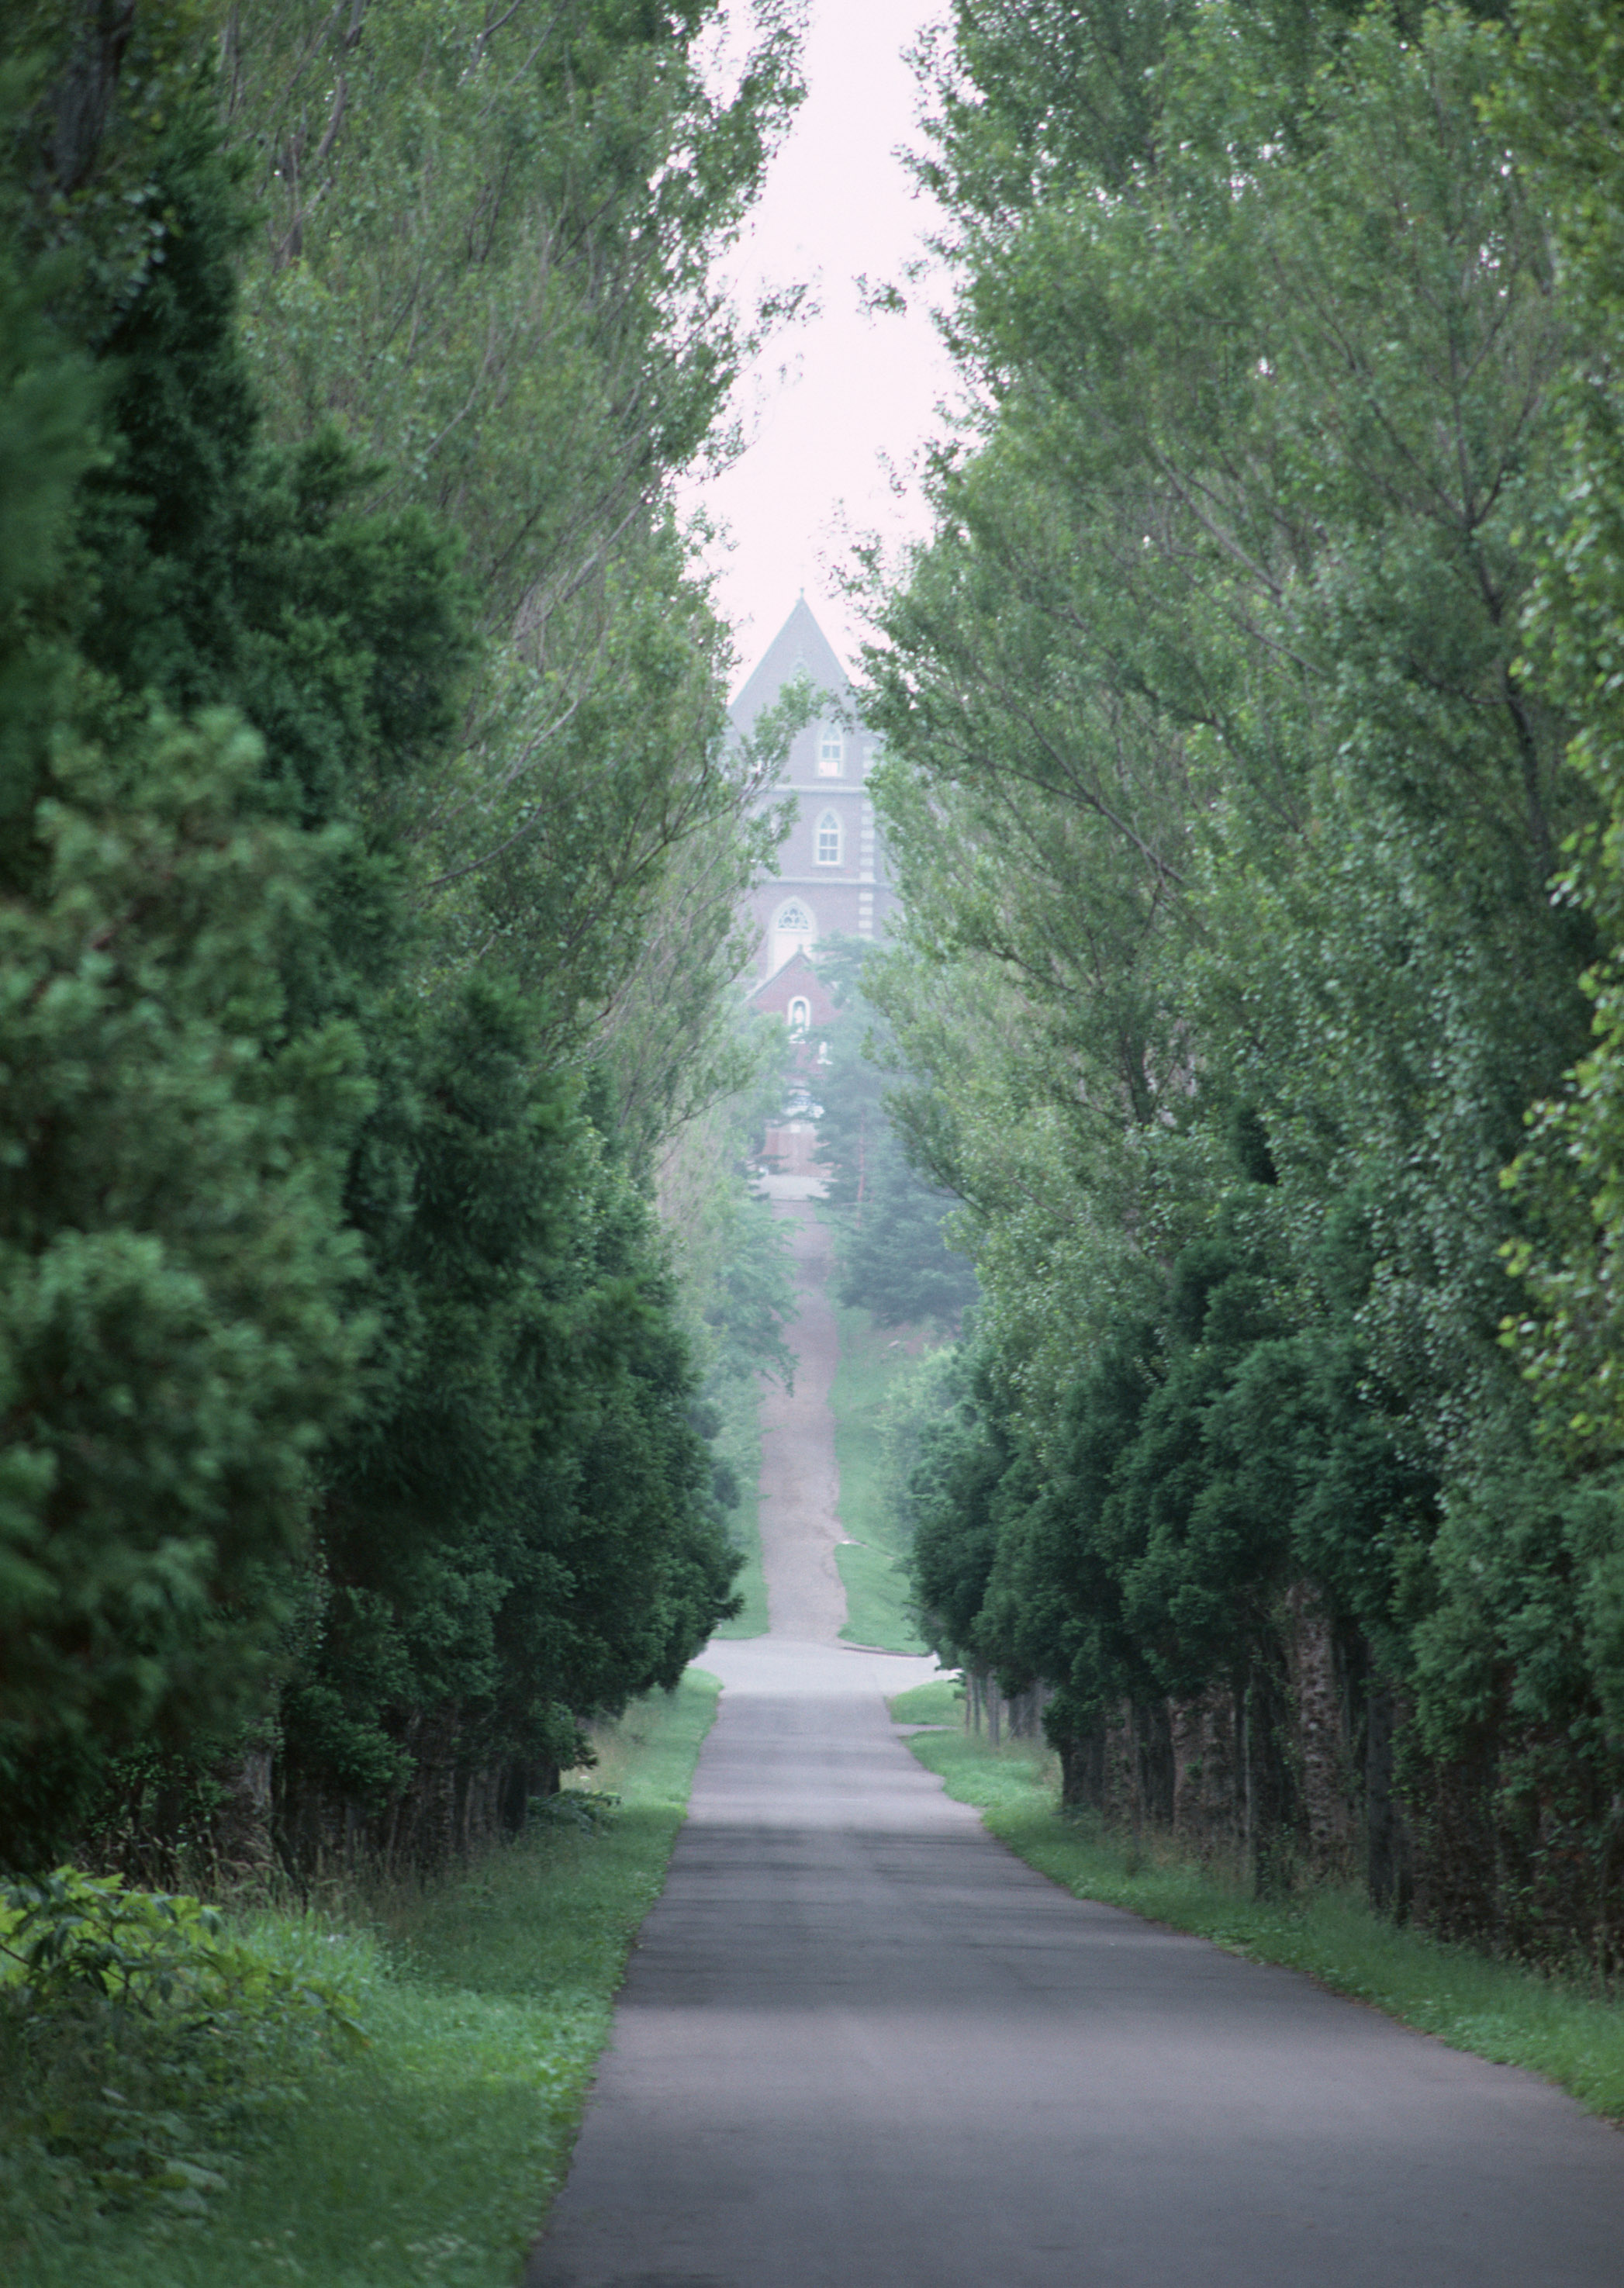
(856, 391)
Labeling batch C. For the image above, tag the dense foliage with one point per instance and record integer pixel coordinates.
(893, 1242)
(1260, 898)
(365, 783)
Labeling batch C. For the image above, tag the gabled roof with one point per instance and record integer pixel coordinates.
(796, 954)
(795, 976)
(800, 644)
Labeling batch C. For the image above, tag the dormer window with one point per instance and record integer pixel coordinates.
(829, 839)
(831, 751)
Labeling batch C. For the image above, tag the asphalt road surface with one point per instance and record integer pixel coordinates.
(799, 1485)
(861, 2046)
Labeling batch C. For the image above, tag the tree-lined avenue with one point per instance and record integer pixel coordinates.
(862, 2044)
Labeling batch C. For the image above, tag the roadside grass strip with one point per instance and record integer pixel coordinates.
(939, 1702)
(878, 1592)
(431, 2154)
(739, 1446)
(1557, 2026)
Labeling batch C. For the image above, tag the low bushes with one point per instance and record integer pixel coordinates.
(384, 2088)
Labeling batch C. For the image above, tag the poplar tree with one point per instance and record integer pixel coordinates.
(1227, 808)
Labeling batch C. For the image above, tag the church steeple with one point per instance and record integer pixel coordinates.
(800, 644)
(831, 878)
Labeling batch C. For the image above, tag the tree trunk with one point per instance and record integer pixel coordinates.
(1388, 1865)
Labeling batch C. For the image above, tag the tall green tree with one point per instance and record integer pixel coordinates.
(895, 1252)
(384, 1323)
(1227, 820)
(180, 1293)
(487, 257)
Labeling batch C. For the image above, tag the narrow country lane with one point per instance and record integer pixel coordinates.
(805, 1601)
(861, 2046)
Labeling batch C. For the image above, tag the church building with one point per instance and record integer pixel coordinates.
(832, 878)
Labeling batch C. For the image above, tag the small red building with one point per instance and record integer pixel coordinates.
(795, 993)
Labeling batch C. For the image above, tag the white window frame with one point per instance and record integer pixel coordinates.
(831, 751)
(800, 1015)
(829, 825)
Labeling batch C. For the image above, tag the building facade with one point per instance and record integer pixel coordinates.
(796, 993)
(832, 878)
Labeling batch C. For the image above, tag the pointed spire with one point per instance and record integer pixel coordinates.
(800, 643)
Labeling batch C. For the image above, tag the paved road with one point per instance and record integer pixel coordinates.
(799, 1486)
(860, 2045)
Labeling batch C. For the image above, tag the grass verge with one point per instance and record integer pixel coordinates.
(1552, 2026)
(939, 1702)
(432, 2156)
(739, 1445)
(878, 1592)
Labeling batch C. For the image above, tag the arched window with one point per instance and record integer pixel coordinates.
(800, 1015)
(829, 839)
(794, 930)
(831, 751)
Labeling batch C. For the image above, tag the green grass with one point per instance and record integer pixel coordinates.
(939, 1702)
(877, 1594)
(1553, 2026)
(740, 1445)
(432, 2158)
(877, 1589)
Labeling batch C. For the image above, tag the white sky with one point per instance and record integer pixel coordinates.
(854, 393)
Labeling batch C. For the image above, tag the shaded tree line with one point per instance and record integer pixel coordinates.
(1252, 731)
(894, 1251)
(365, 782)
